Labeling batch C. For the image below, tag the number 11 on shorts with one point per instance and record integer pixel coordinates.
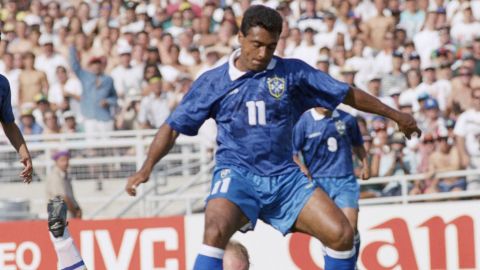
(221, 186)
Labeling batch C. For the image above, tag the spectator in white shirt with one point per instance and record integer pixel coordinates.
(126, 78)
(156, 107)
(465, 31)
(467, 130)
(49, 60)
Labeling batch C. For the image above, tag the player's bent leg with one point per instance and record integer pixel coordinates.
(322, 219)
(352, 216)
(222, 219)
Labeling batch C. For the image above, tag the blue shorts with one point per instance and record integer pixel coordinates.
(277, 200)
(344, 191)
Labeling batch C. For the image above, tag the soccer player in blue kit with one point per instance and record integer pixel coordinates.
(323, 142)
(255, 99)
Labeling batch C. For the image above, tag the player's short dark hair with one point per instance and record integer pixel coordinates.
(265, 17)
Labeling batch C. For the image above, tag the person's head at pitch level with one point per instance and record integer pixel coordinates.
(259, 33)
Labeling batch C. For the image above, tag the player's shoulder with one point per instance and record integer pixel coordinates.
(3, 79)
(292, 64)
(215, 74)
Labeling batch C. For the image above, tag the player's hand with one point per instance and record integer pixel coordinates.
(408, 125)
(27, 171)
(365, 173)
(135, 180)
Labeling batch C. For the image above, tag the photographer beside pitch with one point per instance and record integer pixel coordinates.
(256, 99)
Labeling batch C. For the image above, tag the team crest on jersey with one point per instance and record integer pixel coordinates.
(276, 86)
(224, 173)
(340, 126)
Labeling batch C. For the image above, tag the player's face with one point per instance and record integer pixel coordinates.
(258, 47)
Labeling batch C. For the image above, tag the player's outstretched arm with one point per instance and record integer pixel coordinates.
(161, 145)
(16, 139)
(303, 167)
(363, 101)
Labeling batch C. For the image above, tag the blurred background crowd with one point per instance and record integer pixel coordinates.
(92, 66)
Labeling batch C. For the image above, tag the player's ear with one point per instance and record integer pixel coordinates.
(241, 37)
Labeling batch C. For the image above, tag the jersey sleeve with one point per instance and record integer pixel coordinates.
(460, 126)
(195, 107)
(316, 88)
(298, 137)
(354, 134)
(6, 105)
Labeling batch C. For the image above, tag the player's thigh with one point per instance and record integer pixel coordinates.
(222, 219)
(352, 216)
(321, 218)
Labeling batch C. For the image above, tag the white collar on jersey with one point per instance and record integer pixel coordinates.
(316, 116)
(235, 73)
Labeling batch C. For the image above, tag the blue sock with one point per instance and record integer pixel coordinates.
(339, 260)
(356, 243)
(209, 258)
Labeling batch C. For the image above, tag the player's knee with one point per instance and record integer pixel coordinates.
(343, 238)
(216, 234)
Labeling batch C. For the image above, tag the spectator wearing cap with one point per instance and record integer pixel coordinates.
(445, 158)
(323, 63)
(395, 78)
(428, 84)
(467, 131)
(49, 60)
(412, 18)
(433, 122)
(99, 98)
(27, 125)
(59, 183)
(65, 93)
(70, 123)
(413, 62)
(156, 107)
(465, 31)
(42, 106)
(125, 76)
(31, 80)
(348, 74)
(375, 28)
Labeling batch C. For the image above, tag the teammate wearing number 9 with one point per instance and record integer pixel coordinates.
(323, 142)
(255, 99)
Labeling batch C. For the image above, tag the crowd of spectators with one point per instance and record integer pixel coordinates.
(93, 66)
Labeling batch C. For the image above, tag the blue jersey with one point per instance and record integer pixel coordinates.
(255, 111)
(326, 142)
(6, 113)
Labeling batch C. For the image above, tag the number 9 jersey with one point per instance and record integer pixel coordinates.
(326, 141)
(255, 112)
